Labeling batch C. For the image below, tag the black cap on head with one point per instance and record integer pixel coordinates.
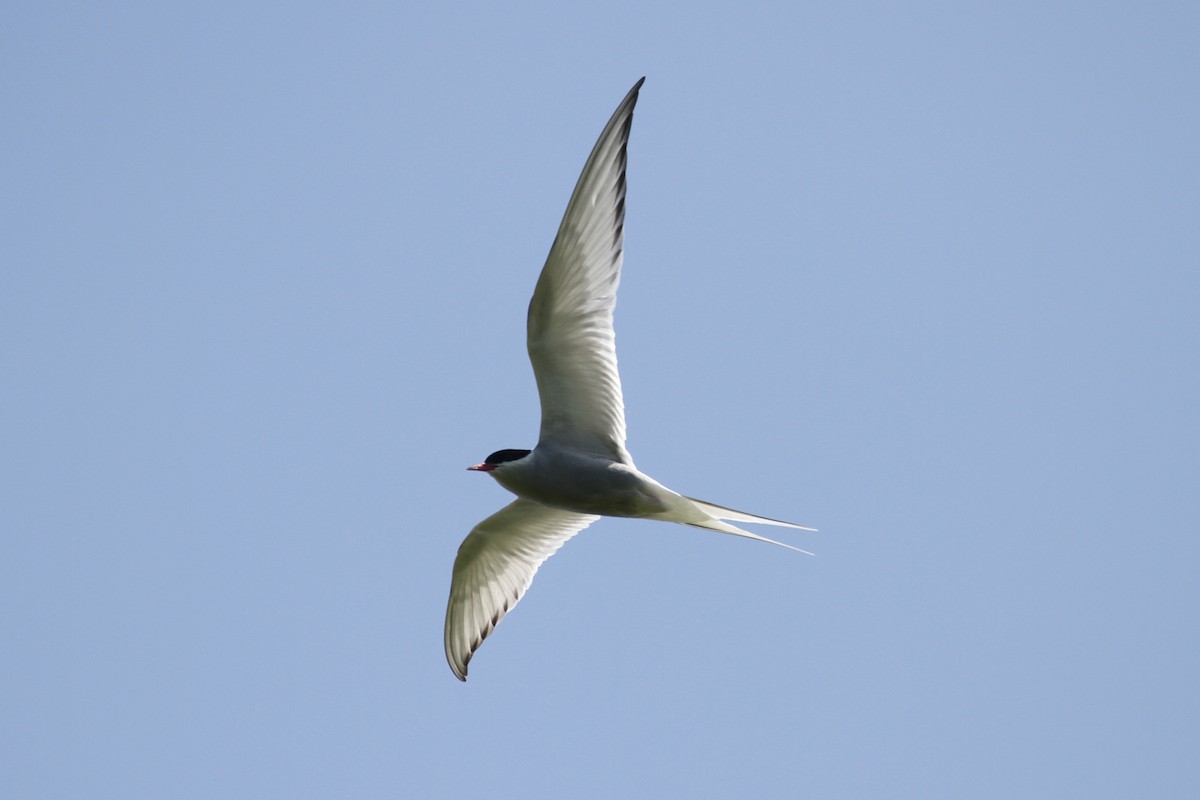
(501, 456)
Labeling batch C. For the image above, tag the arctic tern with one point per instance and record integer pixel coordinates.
(580, 469)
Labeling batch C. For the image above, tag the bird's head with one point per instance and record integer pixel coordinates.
(498, 459)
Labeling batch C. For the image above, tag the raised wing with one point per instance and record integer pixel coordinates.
(570, 330)
(495, 565)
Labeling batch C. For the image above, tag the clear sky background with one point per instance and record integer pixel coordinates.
(925, 276)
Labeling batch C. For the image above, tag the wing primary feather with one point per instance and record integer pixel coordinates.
(571, 341)
(495, 566)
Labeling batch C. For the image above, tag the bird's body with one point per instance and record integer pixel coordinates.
(580, 469)
(585, 482)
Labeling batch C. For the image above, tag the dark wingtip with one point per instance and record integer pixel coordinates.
(461, 674)
(632, 94)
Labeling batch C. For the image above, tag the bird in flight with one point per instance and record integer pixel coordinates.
(580, 469)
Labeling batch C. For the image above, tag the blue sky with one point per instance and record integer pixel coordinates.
(924, 276)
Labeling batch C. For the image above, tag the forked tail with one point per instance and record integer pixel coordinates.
(715, 515)
(721, 512)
